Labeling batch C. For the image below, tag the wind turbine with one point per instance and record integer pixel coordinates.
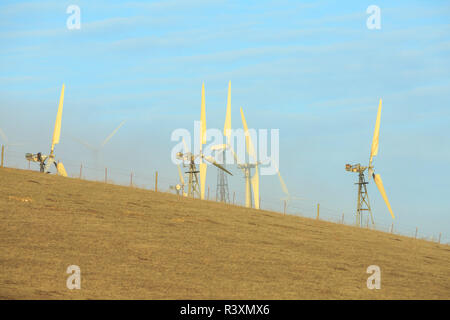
(363, 197)
(222, 192)
(44, 160)
(6, 140)
(251, 182)
(196, 187)
(97, 149)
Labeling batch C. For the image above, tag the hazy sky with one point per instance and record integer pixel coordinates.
(311, 69)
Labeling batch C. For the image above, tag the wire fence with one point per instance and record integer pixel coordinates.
(302, 207)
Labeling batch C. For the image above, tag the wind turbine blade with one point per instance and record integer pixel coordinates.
(283, 184)
(219, 147)
(112, 133)
(227, 126)
(235, 156)
(84, 143)
(203, 119)
(61, 170)
(236, 159)
(248, 140)
(180, 174)
(376, 134)
(255, 187)
(4, 137)
(203, 167)
(379, 183)
(251, 152)
(213, 162)
(57, 131)
(186, 149)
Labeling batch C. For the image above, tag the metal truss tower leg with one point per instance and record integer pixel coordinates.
(363, 205)
(222, 191)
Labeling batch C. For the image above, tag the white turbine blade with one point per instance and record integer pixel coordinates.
(112, 134)
(379, 183)
(85, 144)
(203, 119)
(203, 167)
(227, 126)
(213, 162)
(251, 152)
(248, 140)
(180, 174)
(61, 170)
(186, 149)
(376, 135)
(219, 147)
(235, 156)
(283, 184)
(57, 131)
(236, 159)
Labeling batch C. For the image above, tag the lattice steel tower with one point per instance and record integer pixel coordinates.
(363, 205)
(222, 191)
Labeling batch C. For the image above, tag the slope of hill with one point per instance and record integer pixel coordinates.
(132, 243)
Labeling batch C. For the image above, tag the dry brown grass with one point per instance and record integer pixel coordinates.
(132, 243)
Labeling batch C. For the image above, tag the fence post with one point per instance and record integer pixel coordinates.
(81, 170)
(208, 193)
(318, 211)
(106, 175)
(3, 155)
(439, 241)
(131, 179)
(342, 218)
(392, 228)
(415, 236)
(156, 181)
(234, 197)
(284, 206)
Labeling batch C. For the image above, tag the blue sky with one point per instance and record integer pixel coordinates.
(311, 69)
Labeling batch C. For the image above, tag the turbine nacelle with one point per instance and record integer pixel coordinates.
(355, 168)
(185, 157)
(371, 171)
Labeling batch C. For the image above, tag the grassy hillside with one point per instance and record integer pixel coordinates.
(132, 243)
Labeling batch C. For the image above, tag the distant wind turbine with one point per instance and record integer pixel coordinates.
(97, 149)
(6, 140)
